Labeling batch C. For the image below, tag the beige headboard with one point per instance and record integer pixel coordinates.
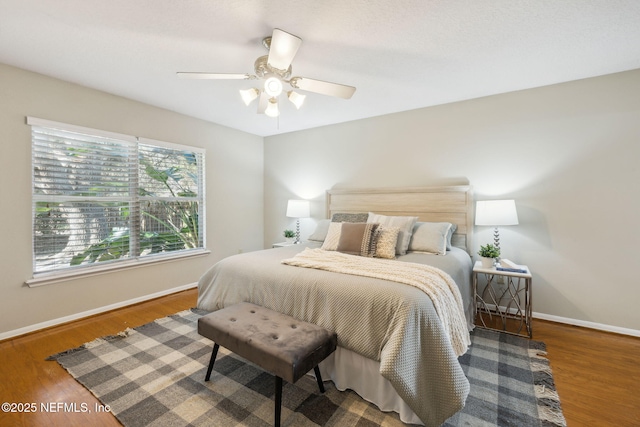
(430, 204)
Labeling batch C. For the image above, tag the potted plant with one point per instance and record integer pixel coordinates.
(488, 254)
(289, 234)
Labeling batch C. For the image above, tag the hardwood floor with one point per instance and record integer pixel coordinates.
(26, 377)
(597, 374)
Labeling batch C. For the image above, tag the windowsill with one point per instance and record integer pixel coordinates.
(43, 279)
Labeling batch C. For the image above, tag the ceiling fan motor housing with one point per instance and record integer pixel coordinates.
(262, 68)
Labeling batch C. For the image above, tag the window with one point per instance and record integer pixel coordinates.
(101, 198)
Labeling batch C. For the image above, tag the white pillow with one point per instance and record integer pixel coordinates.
(322, 228)
(404, 223)
(430, 237)
(333, 237)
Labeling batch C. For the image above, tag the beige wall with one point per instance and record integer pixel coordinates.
(568, 154)
(234, 185)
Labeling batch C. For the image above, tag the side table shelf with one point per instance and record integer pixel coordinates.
(498, 303)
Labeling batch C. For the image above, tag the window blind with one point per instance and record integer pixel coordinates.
(100, 197)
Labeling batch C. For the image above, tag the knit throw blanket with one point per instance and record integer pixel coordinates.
(437, 284)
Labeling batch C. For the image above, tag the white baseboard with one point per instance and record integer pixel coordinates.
(54, 322)
(586, 324)
(575, 322)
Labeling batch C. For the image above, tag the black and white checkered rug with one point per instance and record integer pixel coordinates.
(154, 376)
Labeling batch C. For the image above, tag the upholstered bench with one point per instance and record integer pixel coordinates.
(279, 344)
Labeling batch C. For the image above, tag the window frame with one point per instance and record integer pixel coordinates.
(136, 260)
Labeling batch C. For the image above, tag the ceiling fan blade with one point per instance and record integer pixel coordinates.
(263, 102)
(284, 47)
(321, 87)
(214, 76)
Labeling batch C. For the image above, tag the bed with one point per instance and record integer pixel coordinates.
(392, 347)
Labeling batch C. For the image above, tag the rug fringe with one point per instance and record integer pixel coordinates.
(179, 314)
(551, 416)
(91, 344)
(540, 367)
(536, 353)
(544, 392)
(98, 341)
(549, 410)
(122, 334)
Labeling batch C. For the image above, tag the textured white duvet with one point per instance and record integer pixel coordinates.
(434, 282)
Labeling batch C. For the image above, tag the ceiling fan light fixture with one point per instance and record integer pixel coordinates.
(274, 70)
(273, 86)
(296, 98)
(248, 95)
(272, 108)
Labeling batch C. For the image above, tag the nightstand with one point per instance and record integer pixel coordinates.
(505, 307)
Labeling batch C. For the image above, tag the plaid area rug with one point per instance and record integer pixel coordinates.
(153, 375)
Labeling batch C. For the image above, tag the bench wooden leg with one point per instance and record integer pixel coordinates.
(214, 353)
(276, 421)
(316, 370)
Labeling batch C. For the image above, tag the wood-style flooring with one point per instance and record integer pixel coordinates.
(597, 374)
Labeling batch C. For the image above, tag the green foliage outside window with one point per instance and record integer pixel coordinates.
(165, 225)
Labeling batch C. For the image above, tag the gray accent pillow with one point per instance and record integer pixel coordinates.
(322, 228)
(349, 217)
(404, 223)
(430, 237)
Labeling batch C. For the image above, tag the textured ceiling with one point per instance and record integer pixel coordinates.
(400, 55)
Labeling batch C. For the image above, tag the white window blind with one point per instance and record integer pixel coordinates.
(100, 197)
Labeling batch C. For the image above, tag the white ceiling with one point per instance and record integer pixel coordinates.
(401, 55)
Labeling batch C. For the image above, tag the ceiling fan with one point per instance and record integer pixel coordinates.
(275, 69)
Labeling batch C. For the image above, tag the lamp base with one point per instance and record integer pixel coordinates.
(496, 243)
(297, 241)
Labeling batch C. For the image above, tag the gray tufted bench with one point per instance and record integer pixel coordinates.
(286, 347)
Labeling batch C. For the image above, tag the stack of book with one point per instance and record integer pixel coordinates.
(506, 265)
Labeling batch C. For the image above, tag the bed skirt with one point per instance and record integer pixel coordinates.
(350, 370)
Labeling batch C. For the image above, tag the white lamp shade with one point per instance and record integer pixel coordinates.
(296, 98)
(272, 108)
(248, 95)
(496, 212)
(298, 209)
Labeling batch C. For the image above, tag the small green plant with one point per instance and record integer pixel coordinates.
(289, 234)
(489, 251)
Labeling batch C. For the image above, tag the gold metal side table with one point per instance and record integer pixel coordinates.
(498, 303)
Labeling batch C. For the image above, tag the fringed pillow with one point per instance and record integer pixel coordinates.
(358, 239)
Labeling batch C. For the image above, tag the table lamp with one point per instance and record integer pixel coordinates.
(298, 209)
(496, 213)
